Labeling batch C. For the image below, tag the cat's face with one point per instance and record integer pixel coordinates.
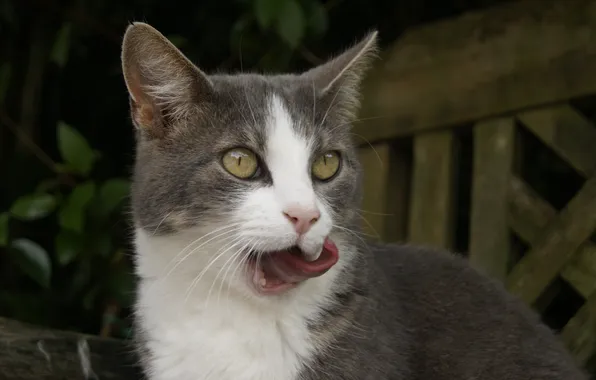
(234, 171)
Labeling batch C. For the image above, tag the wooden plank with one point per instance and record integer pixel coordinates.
(494, 146)
(529, 215)
(568, 133)
(558, 241)
(431, 213)
(482, 64)
(579, 335)
(375, 164)
(398, 201)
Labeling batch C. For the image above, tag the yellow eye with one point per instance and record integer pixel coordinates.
(326, 165)
(240, 162)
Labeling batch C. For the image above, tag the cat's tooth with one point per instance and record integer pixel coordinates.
(263, 281)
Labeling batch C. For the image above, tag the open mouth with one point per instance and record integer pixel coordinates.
(278, 271)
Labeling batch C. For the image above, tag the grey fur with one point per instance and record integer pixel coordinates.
(402, 312)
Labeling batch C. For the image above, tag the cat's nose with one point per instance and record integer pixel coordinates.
(302, 217)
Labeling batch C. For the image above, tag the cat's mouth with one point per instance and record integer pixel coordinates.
(277, 271)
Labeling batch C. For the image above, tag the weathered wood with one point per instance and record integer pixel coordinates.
(480, 65)
(567, 132)
(375, 161)
(557, 243)
(579, 335)
(494, 146)
(431, 213)
(398, 201)
(529, 215)
(32, 353)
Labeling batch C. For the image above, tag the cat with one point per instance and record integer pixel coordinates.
(250, 260)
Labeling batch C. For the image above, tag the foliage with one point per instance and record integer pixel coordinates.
(82, 210)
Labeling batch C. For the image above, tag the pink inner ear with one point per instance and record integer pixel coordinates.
(144, 115)
(134, 86)
(143, 109)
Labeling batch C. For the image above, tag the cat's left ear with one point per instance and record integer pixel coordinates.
(339, 79)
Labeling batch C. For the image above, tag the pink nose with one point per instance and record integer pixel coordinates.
(302, 217)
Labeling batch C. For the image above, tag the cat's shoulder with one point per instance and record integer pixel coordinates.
(433, 269)
(416, 257)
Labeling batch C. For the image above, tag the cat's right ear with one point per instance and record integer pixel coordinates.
(164, 86)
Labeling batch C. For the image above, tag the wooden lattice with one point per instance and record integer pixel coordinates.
(495, 71)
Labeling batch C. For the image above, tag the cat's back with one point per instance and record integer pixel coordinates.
(461, 323)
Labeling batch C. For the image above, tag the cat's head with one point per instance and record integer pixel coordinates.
(234, 171)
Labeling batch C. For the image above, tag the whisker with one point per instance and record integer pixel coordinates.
(371, 145)
(217, 255)
(351, 232)
(374, 213)
(236, 105)
(329, 108)
(357, 121)
(159, 224)
(200, 238)
(227, 230)
(241, 263)
(369, 225)
(250, 107)
(218, 273)
(231, 262)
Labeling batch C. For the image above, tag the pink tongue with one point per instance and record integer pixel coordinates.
(291, 267)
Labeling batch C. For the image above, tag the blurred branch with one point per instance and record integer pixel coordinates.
(34, 73)
(27, 141)
(33, 147)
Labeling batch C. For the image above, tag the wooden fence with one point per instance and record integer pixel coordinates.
(490, 74)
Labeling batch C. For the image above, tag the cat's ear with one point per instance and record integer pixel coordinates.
(339, 79)
(164, 86)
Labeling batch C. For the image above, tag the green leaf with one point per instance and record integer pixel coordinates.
(266, 11)
(4, 218)
(243, 41)
(47, 185)
(112, 193)
(290, 24)
(5, 74)
(68, 244)
(75, 150)
(317, 18)
(102, 245)
(33, 261)
(61, 45)
(33, 206)
(72, 214)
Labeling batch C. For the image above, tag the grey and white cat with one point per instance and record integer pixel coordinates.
(251, 266)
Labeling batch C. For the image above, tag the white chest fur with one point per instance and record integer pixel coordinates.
(228, 341)
(229, 337)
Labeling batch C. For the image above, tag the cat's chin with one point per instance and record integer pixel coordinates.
(279, 271)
